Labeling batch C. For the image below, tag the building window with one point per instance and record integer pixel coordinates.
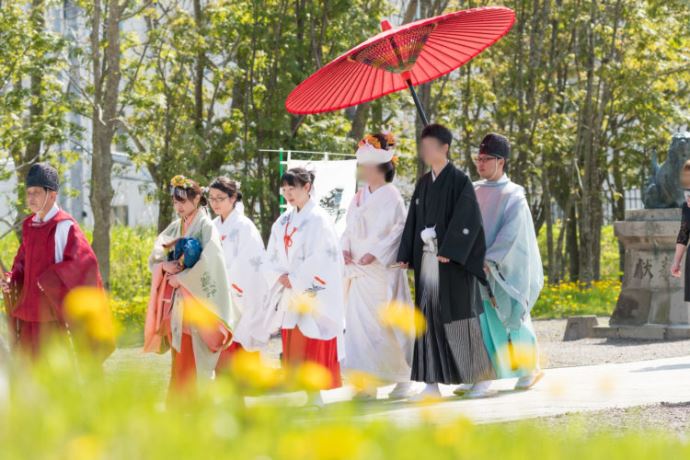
(119, 215)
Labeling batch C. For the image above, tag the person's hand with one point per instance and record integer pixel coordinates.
(403, 265)
(173, 281)
(285, 281)
(487, 270)
(443, 260)
(347, 255)
(675, 270)
(366, 259)
(172, 267)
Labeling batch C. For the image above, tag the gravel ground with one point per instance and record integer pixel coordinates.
(670, 418)
(664, 417)
(556, 353)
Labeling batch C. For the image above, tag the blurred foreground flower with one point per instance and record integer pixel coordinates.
(251, 370)
(403, 317)
(84, 447)
(303, 304)
(522, 355)
(198, 314)
(607, 385)
(311, 376)
(87, 311)
(363, 381)
(328, 442)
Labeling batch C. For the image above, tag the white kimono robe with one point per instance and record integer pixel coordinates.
(375, 222)
(244, 254)
(314, 264)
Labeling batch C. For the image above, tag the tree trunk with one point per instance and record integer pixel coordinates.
(199, 73)
(106, 82)
(359, 122)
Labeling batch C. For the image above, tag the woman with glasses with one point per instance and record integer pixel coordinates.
(683, 233)
(190, 311)
(243, 250)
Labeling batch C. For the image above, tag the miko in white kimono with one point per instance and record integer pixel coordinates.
(375, 221)
(304, 271)
(513, 265)
(243, 251)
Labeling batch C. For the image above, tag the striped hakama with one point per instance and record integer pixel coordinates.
(448, 352)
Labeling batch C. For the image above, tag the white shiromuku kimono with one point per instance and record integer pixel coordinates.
(515, 271)
(375, 221)
(244, 254)
(304, 245)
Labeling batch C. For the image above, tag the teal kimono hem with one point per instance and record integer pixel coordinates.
(496, 340)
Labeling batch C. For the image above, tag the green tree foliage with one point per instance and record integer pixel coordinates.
(33, 100)
(214, 78)
(586, 90)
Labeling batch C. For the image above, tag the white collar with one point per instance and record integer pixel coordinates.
(232, 217)
(494, 183)
(49, 215)
(434, 176)
(296, 217)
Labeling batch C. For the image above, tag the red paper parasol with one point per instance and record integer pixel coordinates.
(401, 58)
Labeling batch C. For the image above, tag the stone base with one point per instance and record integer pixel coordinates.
(644, 332)
(651, 303)
(580, 327)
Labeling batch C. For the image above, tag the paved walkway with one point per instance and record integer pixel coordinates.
(561, 391)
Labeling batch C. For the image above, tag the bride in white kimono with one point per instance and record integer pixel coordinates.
(243, 251)
(305, 279)
(375, 221)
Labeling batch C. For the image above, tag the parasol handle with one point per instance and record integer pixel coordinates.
(385, 25)
(418, 103)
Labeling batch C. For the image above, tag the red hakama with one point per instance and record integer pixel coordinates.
(297, 348)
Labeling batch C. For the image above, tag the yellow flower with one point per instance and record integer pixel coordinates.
(251, 370)
(312, 376)
(304, 304)
(363, 381)
(84, 447)
(88, 311)
(180, 181)
(198, 314)
(523, 356)
(403, 317)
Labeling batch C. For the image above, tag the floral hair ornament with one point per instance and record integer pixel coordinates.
(369, 152)
(179, 186)
(390, 139)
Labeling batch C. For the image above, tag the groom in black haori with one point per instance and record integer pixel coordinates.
(443, 242)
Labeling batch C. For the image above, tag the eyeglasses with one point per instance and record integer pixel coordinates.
(479, 159)
(218, 199)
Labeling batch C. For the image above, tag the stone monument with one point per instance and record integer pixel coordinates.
(651, 304)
